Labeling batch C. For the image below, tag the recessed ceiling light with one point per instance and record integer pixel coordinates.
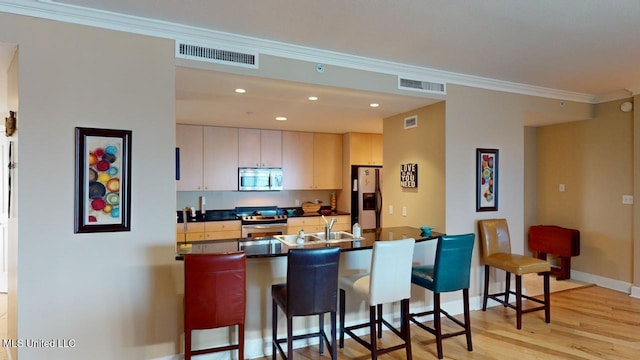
(241, 91)
(313, 98)
(281, 118)
(374, 105)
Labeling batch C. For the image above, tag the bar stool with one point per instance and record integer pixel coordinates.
(389, 280)
(311, 289)
(449, 273)
(214, 297)
(496, 251)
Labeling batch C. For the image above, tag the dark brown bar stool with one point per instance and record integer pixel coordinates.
(449, 273)
(214, 297)
(388, 281)
(311, 289)
(496, 252)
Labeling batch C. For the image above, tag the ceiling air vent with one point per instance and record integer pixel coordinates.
(219, 56)
(418, 85)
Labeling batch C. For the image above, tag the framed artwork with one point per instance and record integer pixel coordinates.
(102, 180)
(487, 180)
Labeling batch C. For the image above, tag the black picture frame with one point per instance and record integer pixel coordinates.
(102, 180)
(487, 166)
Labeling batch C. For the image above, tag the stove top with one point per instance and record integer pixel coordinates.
(260, 214)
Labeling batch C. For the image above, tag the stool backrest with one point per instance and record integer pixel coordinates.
(453, 262)
(312, 280)
(390, 277)
(214, 290)
(495, 237)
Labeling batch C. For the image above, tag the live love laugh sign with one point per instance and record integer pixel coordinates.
(409, 175)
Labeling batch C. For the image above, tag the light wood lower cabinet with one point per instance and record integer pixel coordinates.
(214, 230)
(210, 230)
(343, 223)
(195, 232)
(314, 224)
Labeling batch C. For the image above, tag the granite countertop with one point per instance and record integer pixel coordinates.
(225, 215)
(271, 247)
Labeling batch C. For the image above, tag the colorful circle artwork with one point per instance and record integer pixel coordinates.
(103, 203)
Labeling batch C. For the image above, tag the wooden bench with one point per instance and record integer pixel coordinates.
(561, 242)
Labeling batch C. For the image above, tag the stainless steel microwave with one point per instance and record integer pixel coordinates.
(259, 179)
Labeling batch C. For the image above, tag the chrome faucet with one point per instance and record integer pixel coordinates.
(328, 226)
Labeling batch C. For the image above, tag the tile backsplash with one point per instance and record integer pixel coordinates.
(219, 200)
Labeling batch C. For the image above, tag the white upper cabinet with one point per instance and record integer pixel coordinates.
(259, 148)
(189, 142)
(311, 161)
(220, 169)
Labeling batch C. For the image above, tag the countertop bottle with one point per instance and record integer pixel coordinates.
(356, 231)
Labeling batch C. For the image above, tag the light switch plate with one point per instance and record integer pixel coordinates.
(390, 209)
(561, 188)
(627, 199)
(404, 211)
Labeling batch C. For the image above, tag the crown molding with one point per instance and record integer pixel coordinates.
(52, 10)
(614, 95)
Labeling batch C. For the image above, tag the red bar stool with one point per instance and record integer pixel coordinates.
(449, 273)
(311, 289)
(388, 281)
(214, 297)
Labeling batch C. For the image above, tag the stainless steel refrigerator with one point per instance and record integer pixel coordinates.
(366, 196)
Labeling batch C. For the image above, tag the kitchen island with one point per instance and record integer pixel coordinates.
(267, 265)
(272, 247)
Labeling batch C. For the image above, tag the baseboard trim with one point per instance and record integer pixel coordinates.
(604, 282)
(635, 292)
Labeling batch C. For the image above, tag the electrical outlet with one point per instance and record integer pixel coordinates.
(561, 187)
(404, 211)
(390, 209)
(627, 199)
(297, 202)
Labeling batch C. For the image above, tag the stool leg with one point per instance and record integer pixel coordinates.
(372, 329)
(334, 348)
(406, 332)
(437, 323)
(289, 337)
(507, 286)
(240, 341)
(274, 329)
(342, 308)
(321, 331)
(467, 318)
(187, 344)
(519, 301)
(547, 299)
(485, 297)
(379, 321)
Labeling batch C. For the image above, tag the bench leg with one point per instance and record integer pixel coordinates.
(565, 268)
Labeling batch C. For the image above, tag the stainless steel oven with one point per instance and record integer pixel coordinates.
(263, 230)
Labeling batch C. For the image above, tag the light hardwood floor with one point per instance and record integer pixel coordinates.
(586, 323)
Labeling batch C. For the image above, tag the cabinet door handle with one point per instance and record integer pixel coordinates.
(177, 163)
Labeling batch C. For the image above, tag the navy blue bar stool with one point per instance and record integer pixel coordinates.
(311, 289)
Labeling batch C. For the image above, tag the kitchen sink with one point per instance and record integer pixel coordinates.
(292, 240)
(334, 236)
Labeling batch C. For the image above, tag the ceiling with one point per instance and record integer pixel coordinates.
(586, 47)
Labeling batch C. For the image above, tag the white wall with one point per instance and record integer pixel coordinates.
(115, 294)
